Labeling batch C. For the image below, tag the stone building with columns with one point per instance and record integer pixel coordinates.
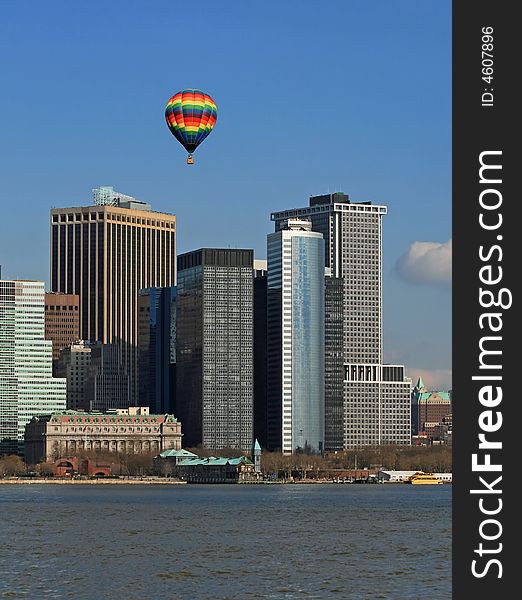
(127, 431)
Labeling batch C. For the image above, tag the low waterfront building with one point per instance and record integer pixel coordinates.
(396, 476)
(405, 476)
(167, 460)
(206, 470)
(132, 430)
(73, 466)
(215, 470)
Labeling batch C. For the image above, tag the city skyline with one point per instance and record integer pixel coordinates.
(392, 145)
(100, 250)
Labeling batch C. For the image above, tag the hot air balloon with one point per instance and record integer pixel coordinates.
(191, 115)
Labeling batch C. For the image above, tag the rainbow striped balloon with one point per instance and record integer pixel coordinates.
(191, 116)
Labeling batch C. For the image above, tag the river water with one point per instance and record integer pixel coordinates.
(244, 542)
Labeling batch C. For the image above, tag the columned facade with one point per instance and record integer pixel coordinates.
(50, 437)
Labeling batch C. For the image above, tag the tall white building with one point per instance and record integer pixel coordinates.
(27, 387)
(295, 338)
(366, 401)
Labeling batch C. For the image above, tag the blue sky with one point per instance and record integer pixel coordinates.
(343, 95)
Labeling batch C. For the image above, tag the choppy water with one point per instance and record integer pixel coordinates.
(346, 542)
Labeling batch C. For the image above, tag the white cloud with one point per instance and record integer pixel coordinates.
(426, 263)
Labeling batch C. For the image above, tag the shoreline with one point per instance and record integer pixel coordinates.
(51, 481)
(167, 481)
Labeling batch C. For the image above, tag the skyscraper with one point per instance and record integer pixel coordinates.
(105, 254)
(295, 332)
(74, 365)
(62, 320)
(96, 377)
(27, 387)
(214, 348)
(376, 406)
(260, 351)
(157, 348)
(333, 362)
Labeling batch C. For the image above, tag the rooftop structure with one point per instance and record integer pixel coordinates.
(107, 195)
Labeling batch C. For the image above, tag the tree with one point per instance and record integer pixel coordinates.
(46, 469)
(11, 465)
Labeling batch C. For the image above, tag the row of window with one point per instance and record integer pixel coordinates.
(112, 217)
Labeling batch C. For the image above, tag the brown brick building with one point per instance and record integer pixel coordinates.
(430, 410)
(62, 320)
(131, 430)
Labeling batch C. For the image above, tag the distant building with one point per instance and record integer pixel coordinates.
(132, 431)
(214, 348)
(96, 376)
(62, 320)
(397, 476)
(295, 314)
(431, 412)
(74, 364)
(375, 397)
(27, 387)
(260, 351)
(405, 476)
(157, 348)
(105, 253)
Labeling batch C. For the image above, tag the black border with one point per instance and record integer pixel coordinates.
(477, 129)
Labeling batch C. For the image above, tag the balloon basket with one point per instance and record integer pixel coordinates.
(190, 160)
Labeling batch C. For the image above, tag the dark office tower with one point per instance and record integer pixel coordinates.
(375, 396)
(157, 348)
(260, 355)
(333, 363)
(105, 253)
(214, 348)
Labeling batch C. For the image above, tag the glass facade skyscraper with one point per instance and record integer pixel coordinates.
(214, 348)
(157, 348)
(295, 331)
(27, 387)
(375, 397)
